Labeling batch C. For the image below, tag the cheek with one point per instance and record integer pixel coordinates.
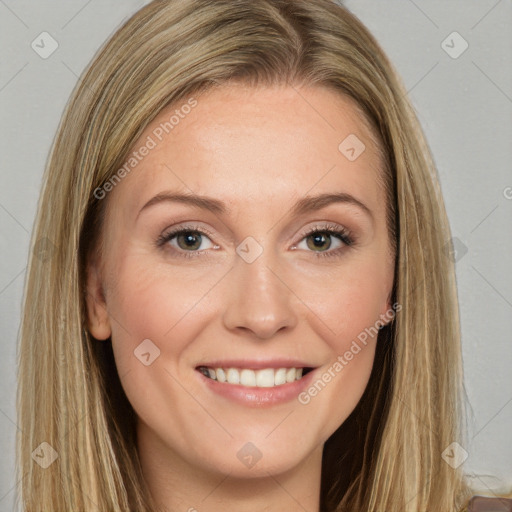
(155, 316)
(152, 299)
(343, 308)
(156, 311)
(346, 311)
(347, 303)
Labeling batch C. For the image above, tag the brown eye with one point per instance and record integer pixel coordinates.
(189, 240)
(321, 241)
(328, 240)
(186, 240)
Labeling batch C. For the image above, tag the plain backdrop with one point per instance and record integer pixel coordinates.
(463, 97)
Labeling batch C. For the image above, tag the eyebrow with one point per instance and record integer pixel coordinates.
(304, 205)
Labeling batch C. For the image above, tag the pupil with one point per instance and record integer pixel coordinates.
(320, 239)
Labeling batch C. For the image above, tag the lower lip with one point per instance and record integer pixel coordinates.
(259, 397)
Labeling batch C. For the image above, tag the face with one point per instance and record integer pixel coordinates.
(245, 244)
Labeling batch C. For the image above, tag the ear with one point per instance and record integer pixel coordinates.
(97, 314)
(389, 310)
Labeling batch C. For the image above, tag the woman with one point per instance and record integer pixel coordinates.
(248, 302)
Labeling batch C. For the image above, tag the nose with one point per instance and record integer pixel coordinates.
(260, 300)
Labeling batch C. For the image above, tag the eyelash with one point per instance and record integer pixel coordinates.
(167, 237)
(343, 234)
(340, 232)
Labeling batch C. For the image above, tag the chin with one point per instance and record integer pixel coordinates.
(257, 458)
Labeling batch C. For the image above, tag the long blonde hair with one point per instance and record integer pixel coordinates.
(69, 393)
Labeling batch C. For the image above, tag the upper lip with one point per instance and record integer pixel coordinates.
(259, 364)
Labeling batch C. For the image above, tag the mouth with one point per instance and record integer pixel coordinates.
(263, 378)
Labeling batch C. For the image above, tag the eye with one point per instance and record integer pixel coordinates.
(186, 240)
(325, 240)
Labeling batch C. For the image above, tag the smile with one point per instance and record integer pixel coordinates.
(264, 378)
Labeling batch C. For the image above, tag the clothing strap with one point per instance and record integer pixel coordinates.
(485, 504)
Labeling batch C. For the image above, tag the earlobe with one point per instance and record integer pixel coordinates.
(97, 314)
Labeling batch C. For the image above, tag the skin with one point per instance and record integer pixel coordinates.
(258, 151)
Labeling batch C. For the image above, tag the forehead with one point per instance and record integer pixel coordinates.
(240, 143)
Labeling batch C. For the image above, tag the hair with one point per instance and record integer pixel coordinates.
(387, 454)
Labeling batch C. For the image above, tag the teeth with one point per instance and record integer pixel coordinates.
(290, 374)
(266, 378)
(280, 377)
(247, 378)
(233, 376)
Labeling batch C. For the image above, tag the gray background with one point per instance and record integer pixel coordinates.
(464, 105)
